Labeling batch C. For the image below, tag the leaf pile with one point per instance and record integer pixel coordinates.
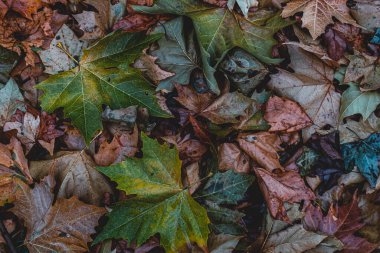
(189, 126)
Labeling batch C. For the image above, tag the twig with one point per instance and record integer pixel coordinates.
(7, 237)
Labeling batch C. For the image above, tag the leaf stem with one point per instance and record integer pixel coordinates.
(62, 47)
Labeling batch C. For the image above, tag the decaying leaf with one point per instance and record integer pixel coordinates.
(64, 226)
(262, 147)
(282, 187)
(317, 14)
(11, 99)
(363, 154)
(227, 108)
(285, 115)
(231, 157)
(312, 87)
(75, 174)
(342, 222)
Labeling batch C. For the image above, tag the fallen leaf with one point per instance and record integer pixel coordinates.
(55, 59)
(147, 64)
(158, 191)
(243, 70)
(355, 101)
(226, 188)
(352, 130)
(176, 53)
(262, 148)
(283, 187)
(27, 130)
(244, 5)
(222, 25)
(285, 115)
(122, 146)
(312, 87)
(230, 156)
(363, 154)
(363, 69)
(8, 60)
(192, 177)
(192, 100)
(294, 239)
(19, 158)
(5, 156)
(8, 187)
(20, 34)
(342, 222)
(54, 227)
(11, 99)
(227, 108)
(336, 45)
(317, 14)
(129, 88)
(366, 13)
(75, 174)
(220, 244)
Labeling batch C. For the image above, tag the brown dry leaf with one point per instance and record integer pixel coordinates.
(137, 22)
(19, 158)
(76, 175)
(192, 100)
(73, 139)
(192, 178)
(283, 187)
(363, 69)
(227, 108)
(8, 188)
(25, 7)
(312, 87)
(262, 147)
(122, 146)
(146, 63)
(189, 149)
(5, 156)
(317, 14)
(65, 226)
(285, 115)
(230, 156)
(20, 34)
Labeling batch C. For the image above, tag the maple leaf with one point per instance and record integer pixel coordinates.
(155, 179)
(311, 85)
(317, 14)
(102, 77)
(219, 30)
(54, 228)
(76, 175)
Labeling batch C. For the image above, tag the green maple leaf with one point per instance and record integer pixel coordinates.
(219, 30)
(161, 204)
(104, 76)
